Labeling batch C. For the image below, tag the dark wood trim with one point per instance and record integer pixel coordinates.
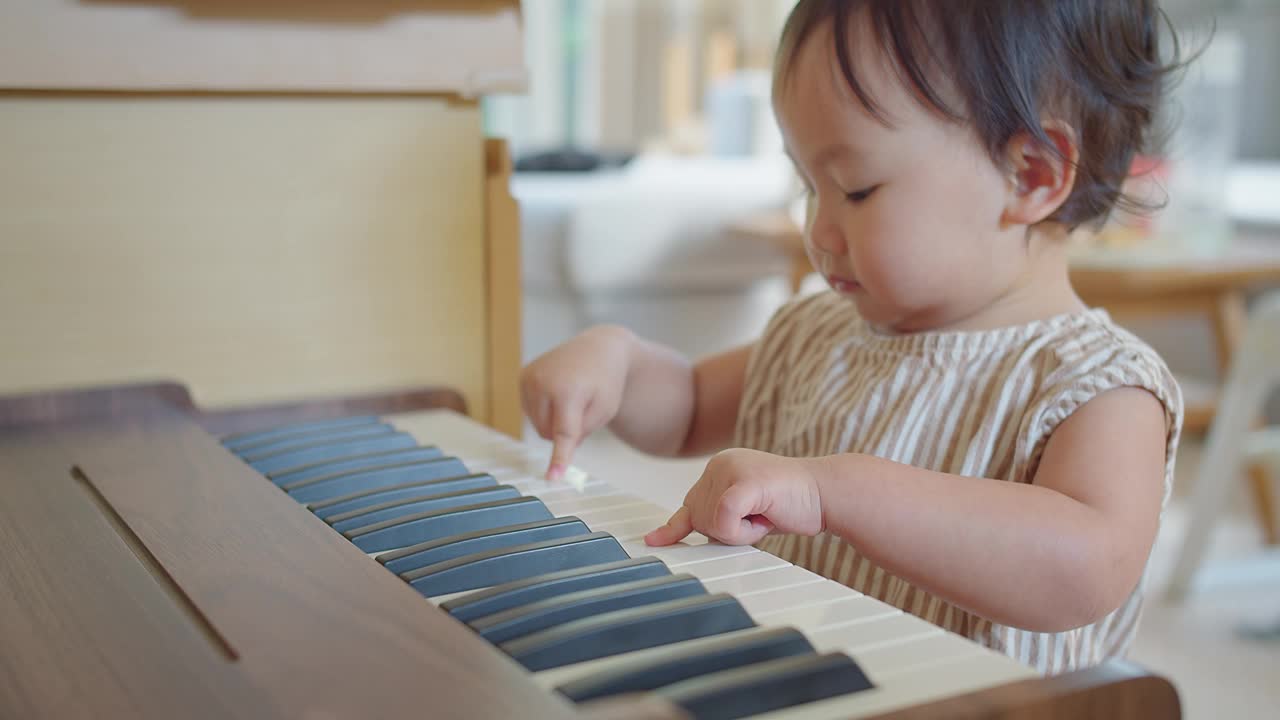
(222, 422)
(140, 400)
(1116, 690)
(56, 407)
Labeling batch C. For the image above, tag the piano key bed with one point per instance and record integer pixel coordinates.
(556, 576)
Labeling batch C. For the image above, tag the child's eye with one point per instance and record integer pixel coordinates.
(860, 195)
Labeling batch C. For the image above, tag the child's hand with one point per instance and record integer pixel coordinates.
(742, 496)
(575, 389)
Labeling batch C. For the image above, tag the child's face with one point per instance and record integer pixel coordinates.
(904, 220)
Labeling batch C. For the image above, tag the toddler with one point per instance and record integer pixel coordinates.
(948, 428)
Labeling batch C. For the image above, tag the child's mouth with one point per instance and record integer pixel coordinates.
(843, 285)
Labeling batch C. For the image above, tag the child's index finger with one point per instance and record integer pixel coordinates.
(676, 529)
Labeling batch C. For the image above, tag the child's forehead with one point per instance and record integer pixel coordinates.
(811, 80)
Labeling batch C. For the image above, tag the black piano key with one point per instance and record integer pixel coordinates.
(316, 439)
(723, 652)
(421, 527)
(623, 631)
(435, 551)
(328, 487)
(356, 462)
(494, 567)
(522, 592)
(427, 502)
(238, 441)
(273, 445)
(326, 509)
(528, 619)
(332, 451)
(767, 686)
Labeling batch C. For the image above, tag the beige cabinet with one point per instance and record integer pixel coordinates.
(264, 200)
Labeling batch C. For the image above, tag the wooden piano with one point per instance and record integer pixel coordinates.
(157, 562)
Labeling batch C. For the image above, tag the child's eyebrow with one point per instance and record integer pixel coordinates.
(835, 151)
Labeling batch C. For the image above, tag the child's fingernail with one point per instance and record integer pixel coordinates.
(555, 472)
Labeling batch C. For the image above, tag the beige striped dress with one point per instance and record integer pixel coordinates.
(981, 404)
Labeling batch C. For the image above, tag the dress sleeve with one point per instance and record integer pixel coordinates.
(1083, 373)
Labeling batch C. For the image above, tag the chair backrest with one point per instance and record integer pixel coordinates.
(1254, 372)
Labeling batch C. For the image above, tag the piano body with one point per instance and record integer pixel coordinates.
(388, 557)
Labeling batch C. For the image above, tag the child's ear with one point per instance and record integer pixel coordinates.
(1040, 178)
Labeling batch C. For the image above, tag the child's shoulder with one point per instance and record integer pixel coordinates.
(1092, 341)
(1087, 354)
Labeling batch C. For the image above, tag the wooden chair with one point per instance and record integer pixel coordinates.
(1233, 443)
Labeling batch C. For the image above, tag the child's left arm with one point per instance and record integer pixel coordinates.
(1049, 556)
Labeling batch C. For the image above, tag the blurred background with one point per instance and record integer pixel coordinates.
(654, 193)
(636, 106)
(646, 135)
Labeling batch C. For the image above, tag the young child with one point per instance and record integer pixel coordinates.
(948, 429)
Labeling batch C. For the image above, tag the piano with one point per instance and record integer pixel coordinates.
(389, 557)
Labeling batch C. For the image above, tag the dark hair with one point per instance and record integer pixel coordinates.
(1094, 64)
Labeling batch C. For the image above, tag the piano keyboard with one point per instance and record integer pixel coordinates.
(557, 575)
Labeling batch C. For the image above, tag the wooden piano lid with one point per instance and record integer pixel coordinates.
(466, 48)
(148, 573)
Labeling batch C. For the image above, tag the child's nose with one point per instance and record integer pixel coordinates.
(827, 237)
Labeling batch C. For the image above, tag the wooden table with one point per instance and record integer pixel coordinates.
(1214, 289)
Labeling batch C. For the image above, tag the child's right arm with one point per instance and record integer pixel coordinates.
(649, 395)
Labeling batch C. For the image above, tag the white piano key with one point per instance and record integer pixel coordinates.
(912, 688)
(631, 529)
(743, 565)
(579, 502)
(440, 428)
(502, 472)
(771, 579)
(638, 509)
(782, 599)
(855, 636)
(553, 493)
(485, 463)
(830, 615)
(883, 662)
(566, 495)
(682, 554)
(538, 467)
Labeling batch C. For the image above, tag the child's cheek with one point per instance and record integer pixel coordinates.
(894, 260)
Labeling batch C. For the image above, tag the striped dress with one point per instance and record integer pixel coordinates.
(980, 404)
